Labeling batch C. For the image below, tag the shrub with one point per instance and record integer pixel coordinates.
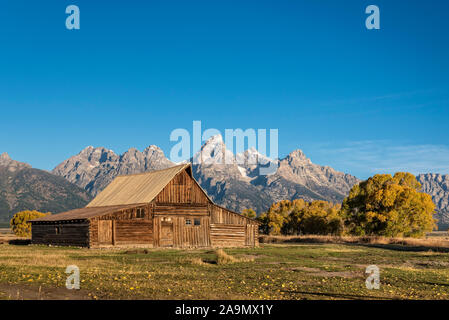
(19, 222)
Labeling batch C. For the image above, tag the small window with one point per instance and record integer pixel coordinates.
(197, 222)
(140, 213)
(58, 230)
(188, 222)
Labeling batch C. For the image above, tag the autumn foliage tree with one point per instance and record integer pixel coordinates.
(389, 206)
(273, 220)
(19, 222)
(301, 217)
(321, 217)
(249, 213)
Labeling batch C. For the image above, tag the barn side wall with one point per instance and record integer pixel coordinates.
(229, 229)
(61, 233)
(171, 227)
(123, 228)
(182, 190)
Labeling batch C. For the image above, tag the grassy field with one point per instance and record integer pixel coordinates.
(272, 271)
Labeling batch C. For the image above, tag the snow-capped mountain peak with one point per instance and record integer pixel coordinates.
(214, 152)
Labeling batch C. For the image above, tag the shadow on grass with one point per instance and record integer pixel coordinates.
(399, 247)
(20, 242)
(433, 283)
(361, 242)
(339, 295)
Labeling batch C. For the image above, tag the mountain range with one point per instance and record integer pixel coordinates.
(437, 185)
(233, 181)
(26, 188)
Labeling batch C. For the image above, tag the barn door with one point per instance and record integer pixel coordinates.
(250, 235)
(166, 238)
(105, 231)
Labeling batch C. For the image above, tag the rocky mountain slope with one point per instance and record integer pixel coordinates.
(437, 185)
(238, 183)
(25, 188)
(234, 181)
(94, 168)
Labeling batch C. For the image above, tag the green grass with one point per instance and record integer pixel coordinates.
(293, 271)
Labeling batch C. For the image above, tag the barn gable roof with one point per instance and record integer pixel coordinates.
(136, 188)
(83, 213)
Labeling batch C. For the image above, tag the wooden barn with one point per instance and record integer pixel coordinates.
(164, 208)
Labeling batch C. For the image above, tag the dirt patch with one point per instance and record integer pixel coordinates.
(306, 269)
(137, 251)
(29, 292)
(248, 257)
(342, 250)
(432, 253)
(341, 274)
(328, 274)
(438, 264)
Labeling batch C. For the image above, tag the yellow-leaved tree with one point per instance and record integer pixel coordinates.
(316, 217)
(249, 213)
(391, 206)
(301, 217)
(321, 217)
(19, 222)
(273, 220)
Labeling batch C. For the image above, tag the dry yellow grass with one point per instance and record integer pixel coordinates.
(197, 261)
(224, 258)
(286, 271)
(50, 258)
(431, 243)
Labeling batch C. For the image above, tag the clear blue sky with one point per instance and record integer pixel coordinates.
(362, 101)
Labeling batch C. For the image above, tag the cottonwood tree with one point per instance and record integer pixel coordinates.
(301, 217)
(389, 206)
(249, 213)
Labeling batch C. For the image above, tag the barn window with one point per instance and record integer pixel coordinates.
(197, 222)
(188, 222)
(140, 213)
(58, 230)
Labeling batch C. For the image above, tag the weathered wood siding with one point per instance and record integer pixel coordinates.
(133, 232)
(222, 216)
(229, 229)
(61, 234)
(123, 228)
(181, 235)
(227, 235)
(93, 233)
(181, 210)
(252, 235)
(182, 189)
